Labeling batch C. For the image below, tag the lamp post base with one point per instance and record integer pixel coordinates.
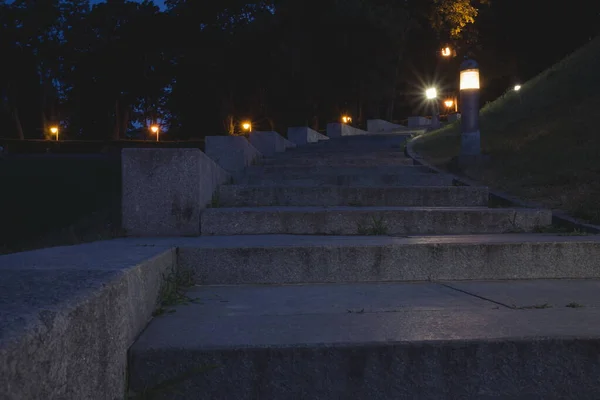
(470, 144)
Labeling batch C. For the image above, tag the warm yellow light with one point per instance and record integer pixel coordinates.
(54, 130)
(431, 93)
(247, 126)
(449, 103)
(154, 128)
(469, 79)
(446, 52)
(346, 119)
(517, 88)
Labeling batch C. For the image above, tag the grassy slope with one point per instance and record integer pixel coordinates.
(544, 141)
(58, 201)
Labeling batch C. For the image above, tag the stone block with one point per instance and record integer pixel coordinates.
(164, 190)
(454, 117)
(303, 135)
(269, 143)
(336, 129)
(68, 316)
(382, 126)
(232, 153)
(415, 122)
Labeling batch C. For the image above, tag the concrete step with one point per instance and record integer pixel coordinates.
(259, 196)
(361, 179)
(370, 220)
(298, 258)
(346, 160)
(307, 171)
(375, 342)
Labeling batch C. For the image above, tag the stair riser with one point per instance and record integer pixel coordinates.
(357, 222)
(523, 369)
(234, 196)
(342, 161)
(306, 171)
(422, 262)
(349, 180)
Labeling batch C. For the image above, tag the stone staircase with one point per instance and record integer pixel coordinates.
(340, 270)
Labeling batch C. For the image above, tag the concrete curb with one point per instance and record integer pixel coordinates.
(559, 218)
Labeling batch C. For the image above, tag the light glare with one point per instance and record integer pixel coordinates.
(431, 93)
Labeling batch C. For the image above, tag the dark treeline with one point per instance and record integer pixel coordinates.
(200, 67)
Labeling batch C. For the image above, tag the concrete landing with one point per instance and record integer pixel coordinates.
(376, 341)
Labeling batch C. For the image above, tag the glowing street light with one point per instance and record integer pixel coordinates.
(54, 130)
(346, 119)
(517, 88)
(247, 126)
(431, 94)
(155, 129)
(446, 51)
(449, 103)
(469, 101)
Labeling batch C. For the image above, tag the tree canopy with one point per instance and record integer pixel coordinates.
(199, 67)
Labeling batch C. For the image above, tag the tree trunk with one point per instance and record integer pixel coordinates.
(124, 122)
(18, 125)
(117, 126)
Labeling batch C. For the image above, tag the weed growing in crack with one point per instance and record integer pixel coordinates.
(376, 228)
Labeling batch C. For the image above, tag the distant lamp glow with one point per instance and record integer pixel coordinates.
(431, 93)
(54, 131)
(155, 129)
(449, 103)
(469, 79)
(346, 119)
(517, 88)
(446, 51)
(247, 126)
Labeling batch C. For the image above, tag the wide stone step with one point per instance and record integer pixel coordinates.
(370, 220)
(307, 171)
(298, 259)
(259, 196)
(345, 160)
(375, 342)
(420, 179)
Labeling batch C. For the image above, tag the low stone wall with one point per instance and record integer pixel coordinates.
(70, 314)
(268, 143)
(232, 153)
(415, 122)
(303, 135)
(380, 125)
(164, 190)
(336, 129)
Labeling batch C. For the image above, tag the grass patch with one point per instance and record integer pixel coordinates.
(173, 291)
(543, 141)
(58, 200)
(575, 305)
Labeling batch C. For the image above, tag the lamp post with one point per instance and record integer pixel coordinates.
(155, 129)
(54, 130)
(470, 146)
(431, 95)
